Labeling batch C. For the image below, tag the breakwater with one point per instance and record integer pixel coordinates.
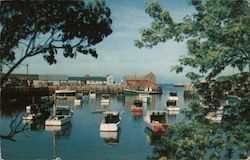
(20, 92)
(98, 88)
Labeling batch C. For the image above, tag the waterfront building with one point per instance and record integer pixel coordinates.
(139, 81)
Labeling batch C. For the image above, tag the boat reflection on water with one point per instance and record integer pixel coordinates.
(152, 138)
(172, 118)
(173, 113)
(110, 138)
(37, 125)
(137, 116)
(61, 132)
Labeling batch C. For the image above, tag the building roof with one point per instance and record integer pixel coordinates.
(88, 78)
(134, 77)
(53, 77)
(22, 76)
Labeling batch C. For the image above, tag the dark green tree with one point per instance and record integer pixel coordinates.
(217, 37)
(29, 28)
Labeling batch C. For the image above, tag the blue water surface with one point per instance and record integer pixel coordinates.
(81, 139)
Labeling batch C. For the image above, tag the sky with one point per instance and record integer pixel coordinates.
(117, 54)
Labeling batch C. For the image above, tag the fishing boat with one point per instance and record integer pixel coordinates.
(62, 116)
(156, 120)
(215, 117)
(65, 94)
(31, 112)
(105, 99)
(110, 122)
(78, 100)
(172, 106)
(137, 106)
(145, 98)
(172, 96)
(146, 91)
(92, 94)
(34, 112)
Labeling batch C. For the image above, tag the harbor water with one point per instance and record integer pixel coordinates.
(81, 139)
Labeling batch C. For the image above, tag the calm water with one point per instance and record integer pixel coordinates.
(81, 138)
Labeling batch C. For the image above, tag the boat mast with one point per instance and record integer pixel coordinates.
(54, 106)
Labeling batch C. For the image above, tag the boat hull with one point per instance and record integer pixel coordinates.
(92, 96)
(105, 101)
(173, 109)
(109, 127)
(136, 109)
(135, 92)
(77, 102)
(56, 121)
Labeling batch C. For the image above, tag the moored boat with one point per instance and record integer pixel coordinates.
(172, 106)
(137, 106)
(78, 100)
(61, 117)
(215, 117)
(156, 120)
(31, 112)
(172, 96)
(92, 94)
(146, 91)
(110, 122)
(105, 99)
(34, 112)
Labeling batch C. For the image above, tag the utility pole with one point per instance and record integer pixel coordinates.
(27, 69)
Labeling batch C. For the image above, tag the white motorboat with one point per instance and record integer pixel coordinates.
(215, 116)
(172, 106)
(78, 100)
(145, 98)
(62, 116)
(32, 112)
(110, 122)
(172, 96)
(156, 120)
(105, 99)
(92, 94)
(137, 106)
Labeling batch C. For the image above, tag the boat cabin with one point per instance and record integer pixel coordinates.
(158, 116)
(62, 110)
(171, 103)
(173, 94)
(137, 103)
(105, 96)
(111, 117)
(65, 93)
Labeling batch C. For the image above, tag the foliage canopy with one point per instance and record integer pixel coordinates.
(29, 28)
(217, 35)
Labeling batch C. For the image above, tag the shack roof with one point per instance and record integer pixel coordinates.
(87, 78)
